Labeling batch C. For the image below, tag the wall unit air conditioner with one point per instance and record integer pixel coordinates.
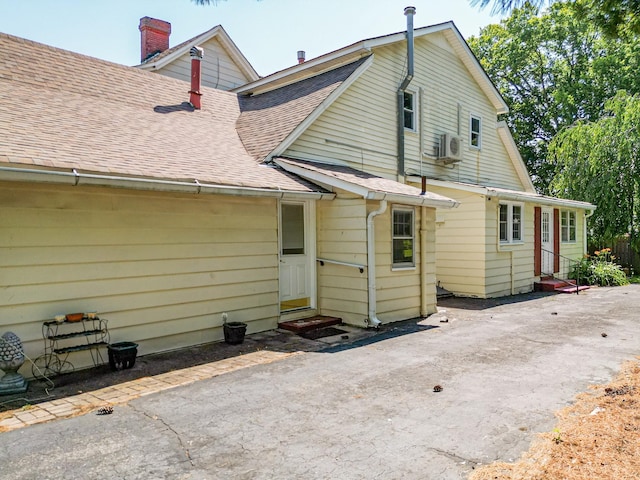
(450, 149)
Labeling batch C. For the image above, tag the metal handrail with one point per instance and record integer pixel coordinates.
(322, 261)
(570, 261)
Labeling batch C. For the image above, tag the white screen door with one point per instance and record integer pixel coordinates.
(295, 257)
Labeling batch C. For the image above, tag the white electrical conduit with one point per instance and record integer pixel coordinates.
(372, 321)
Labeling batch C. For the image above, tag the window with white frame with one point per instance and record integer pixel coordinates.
(403, 237)
(475, 131)
(409, 108)
(568, 226)
(511, 223)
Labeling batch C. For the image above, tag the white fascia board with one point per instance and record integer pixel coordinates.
(514, 154)
(364, 192)
(331, 60)
(302, 126)
(322, 178)
(540, 199)
(473, 65)
(304, 70)
(76, 178)
(225, 41)
(203, 37)
(508, 194)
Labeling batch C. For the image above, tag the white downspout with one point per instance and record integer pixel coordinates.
(372, 320)
(423, 263)
(584, 231)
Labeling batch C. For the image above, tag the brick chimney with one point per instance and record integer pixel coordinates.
(154, 36)
(301, 56)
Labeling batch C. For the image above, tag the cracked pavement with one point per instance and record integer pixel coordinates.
(363, 410)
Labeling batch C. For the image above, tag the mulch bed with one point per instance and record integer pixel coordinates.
(598, 437)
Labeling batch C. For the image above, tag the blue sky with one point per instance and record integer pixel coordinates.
(268, 32)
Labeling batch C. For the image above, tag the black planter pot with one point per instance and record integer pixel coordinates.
(234, 332)
(122, 355)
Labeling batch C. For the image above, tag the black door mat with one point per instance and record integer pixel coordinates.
(321, 333)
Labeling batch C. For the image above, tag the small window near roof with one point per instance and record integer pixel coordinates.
(409, 111)
(510, 223)
(475, 134)
(403, 238)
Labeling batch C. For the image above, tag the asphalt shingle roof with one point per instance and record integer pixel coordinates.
(366, 180)
(267, 119)
(63, 110)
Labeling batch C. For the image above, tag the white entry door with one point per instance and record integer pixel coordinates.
(297, 252)
(546, 240)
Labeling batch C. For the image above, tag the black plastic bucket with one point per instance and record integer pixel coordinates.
(234, 332)
(122, 355)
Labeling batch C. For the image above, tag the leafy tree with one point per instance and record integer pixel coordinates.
(612, 16)
(599, 162)
(553, 69)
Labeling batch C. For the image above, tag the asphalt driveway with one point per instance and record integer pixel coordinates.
(360, 411)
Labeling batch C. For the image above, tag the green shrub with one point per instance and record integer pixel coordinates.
(599, 269)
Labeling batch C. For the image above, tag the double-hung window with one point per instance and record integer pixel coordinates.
(568, 226)
(510, 223)
(403, 237)
(409, 109)
(475, 131)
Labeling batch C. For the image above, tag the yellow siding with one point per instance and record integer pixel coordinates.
(218, 69)
(160, 268)
(462, 239)
(359, 128)
(342, 236)
(398, 290)
(509, 265)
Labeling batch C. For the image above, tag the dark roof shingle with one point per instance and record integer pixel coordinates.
(267, 119)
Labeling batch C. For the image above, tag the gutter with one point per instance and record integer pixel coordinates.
(513, 195)
(139, 183)
(372, 320)
(542, 200)
(364, 192)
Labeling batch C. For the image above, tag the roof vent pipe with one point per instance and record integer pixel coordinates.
(196, 59)
(409, 12)
(301, 56)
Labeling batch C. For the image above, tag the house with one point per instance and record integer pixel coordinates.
(118, 196)
(328, 188)
(421, 110)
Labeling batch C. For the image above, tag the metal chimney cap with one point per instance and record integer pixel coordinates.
(409, 10)
(196, 52)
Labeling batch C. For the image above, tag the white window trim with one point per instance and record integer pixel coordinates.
(405, 265)
(567, 226)
(510, 240)
(414, 97)
(473, 116)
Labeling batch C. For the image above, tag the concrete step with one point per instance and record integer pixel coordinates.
(312, 323)
(556, 285)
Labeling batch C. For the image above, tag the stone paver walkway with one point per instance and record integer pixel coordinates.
(124, 392)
